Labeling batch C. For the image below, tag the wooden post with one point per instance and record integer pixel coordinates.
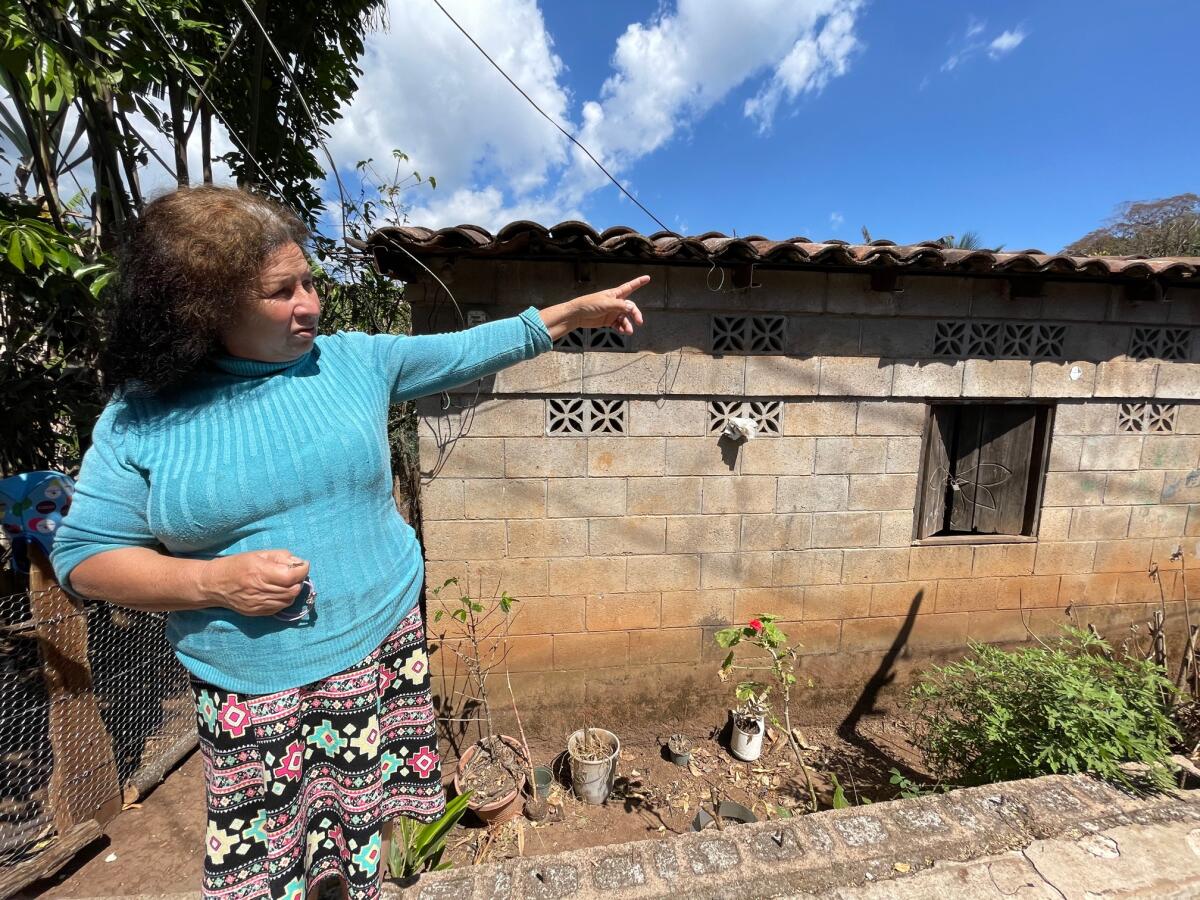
(83, 781)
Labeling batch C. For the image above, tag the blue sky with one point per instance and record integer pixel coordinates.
(1026, 122)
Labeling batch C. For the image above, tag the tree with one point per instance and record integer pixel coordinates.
(1166, 227)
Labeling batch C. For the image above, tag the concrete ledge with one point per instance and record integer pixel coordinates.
(841, 852)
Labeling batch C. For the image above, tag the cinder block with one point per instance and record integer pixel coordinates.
(1029, 592)
(548, 537)
(776, 532)
(806, 567)
(830, 417)
(680, 608)
(627, 535)
(703, 534)
(1139, 587)
(1125, 378)
(948, 561)
(903, 598)
(1085, 418)
(655, 374)
(526, 653)
(880, 492)
(736, 570)
(698, 456)
(464, 540)
(1187, 419)
(499, 417)
(1184, 311)
(1088, 590)
(663, 496)
(739, 494)
(675, 572)
(1170, 451)
(815, 638)
(474, 458)
(813, 493)
(1004, 559)
(855, 376)
(848, 529)
(591, 651)
(666, 645)
(872, 566)
(992, 298)
(558, 457)
(1074, 489)
(1157, 521)
(783, 603)
(1067, 558)
(997, 378)
(1096, 341)
(1192, 529)
(1063, 379)
(903, 455)
(1134, 487)
(588, 575)
(623, 456)
(505, 498)
(837, 601)
(928, 378)
(1099, 523)
(1123, 556)
(851, 295)
(548, 373)
(1119, 451)
(778, 456)
(1073, 300)
(571, 498)
(873, 634)
(997, 626)
(1065, 452)
(858, 455)
(520, 578)
(782, 376)
(1054, 523)
(890, 417)
(622, 612)
(668, 417)
(442, 498)
(892, 338)
(1181, 487)
(818, 335)
(936, 295)
(1178, 381)
(896, 528)
(547, 615)
(965, 594)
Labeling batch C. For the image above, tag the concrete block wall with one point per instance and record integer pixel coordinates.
(628, 551)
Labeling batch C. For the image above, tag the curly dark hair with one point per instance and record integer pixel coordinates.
(193, 257)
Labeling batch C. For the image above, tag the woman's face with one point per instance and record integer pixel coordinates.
(279, 321)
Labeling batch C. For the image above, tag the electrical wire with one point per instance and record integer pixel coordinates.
(566, 133)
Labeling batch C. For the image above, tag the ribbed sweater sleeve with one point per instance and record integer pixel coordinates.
(426, 364)
(108, 511)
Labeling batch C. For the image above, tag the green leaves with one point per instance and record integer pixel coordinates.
(1074, 706)
(728, 637)
(418, 848)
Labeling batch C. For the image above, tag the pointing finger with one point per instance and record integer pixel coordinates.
(630, 286)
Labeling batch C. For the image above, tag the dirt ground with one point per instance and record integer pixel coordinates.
(157, 845)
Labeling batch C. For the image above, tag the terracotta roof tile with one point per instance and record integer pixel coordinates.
(578, 240)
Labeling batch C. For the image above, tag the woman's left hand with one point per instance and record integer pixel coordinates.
(609, 308)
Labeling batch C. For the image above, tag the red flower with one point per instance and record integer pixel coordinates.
(756, 625)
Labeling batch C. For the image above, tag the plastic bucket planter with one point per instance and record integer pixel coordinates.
(592, 780)
(746, 745)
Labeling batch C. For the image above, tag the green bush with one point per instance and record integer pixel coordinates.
(1073, 706)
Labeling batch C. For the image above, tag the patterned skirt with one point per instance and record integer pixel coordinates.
(299, 783)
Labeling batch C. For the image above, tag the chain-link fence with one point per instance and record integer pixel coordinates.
(94, 708)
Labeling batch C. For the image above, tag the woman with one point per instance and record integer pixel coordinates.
(239, 480)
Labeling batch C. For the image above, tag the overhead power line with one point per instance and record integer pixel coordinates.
(566, 133)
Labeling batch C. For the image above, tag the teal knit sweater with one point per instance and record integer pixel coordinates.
(294, 456)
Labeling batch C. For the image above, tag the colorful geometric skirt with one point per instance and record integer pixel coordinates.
(299, 783)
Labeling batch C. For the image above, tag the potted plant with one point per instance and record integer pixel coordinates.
(493, 769)
(754, 697)
(680, 748)
(593, 753)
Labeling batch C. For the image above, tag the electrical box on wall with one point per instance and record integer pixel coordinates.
(475, 317)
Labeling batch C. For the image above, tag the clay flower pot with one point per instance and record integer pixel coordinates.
(500, 809)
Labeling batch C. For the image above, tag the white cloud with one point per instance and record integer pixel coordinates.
(836, 220)
(974, 27)
(426, 90)
(1005, 42)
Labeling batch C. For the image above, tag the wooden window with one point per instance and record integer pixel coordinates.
(982, 471)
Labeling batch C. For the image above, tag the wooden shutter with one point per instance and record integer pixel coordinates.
(935, 476)
(992, 461)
